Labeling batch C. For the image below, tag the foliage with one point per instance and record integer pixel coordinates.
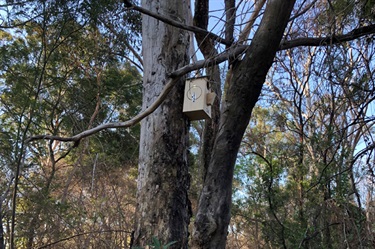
(61, 74)
(304, 175)
(298, 177)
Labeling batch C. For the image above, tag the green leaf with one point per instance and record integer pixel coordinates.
(169, 244)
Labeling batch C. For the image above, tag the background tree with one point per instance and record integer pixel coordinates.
(60, 74)
(302, 161)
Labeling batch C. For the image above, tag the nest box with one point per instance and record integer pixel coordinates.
(198, 98)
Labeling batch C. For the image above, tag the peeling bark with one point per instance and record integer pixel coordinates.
(163, 209)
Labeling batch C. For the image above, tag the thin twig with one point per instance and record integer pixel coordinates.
(81, 234)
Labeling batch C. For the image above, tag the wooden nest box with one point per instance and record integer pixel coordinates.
(198, 98)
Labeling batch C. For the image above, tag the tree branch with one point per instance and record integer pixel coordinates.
(245, 33)
(82, 234)
(135, 53)
(323, 41)
(301, 12)
(177, 24)
(173, 78)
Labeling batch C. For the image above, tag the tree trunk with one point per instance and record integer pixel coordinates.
(213, 214)
(163, 209)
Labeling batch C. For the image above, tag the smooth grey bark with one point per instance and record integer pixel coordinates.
(163, 209)
(213, 215)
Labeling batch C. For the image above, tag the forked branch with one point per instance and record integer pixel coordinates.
(232, 53)
(173, 78)
(176, 23)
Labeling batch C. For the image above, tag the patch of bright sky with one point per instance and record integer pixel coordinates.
(244, 7)
(217, 18)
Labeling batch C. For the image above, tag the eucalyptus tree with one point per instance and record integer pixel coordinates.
(254, 32)
(300, 160)
(305, 150)
(278, 30)
(63, 70)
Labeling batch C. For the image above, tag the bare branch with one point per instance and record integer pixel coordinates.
(135, 53)
(245, 33)
(173, 78)
(303, 11)
(231, 53)
(168, 87)
(177, 24)
(82, 234)
(132, 61)
(323, 41)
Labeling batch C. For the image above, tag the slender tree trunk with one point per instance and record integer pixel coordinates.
(213, 214)
(163, 209)
(207, 47)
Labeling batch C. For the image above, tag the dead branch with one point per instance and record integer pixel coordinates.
(173, 78)
(228, 54)
(328, 40)
(83, 234)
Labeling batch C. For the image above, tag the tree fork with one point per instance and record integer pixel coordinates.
(213, 214)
